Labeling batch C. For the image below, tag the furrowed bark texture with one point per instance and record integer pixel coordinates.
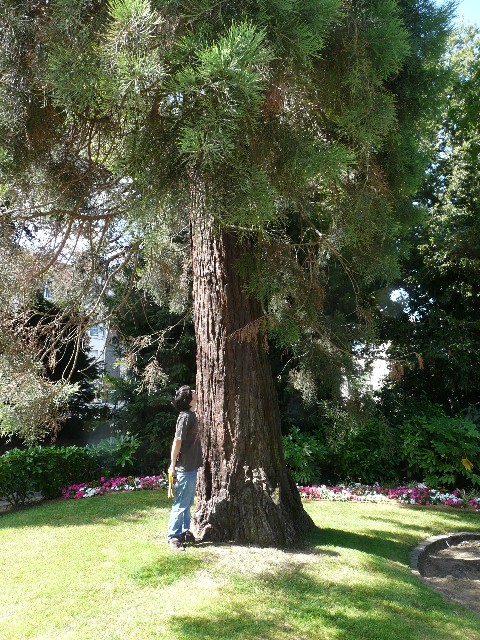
(244, 492)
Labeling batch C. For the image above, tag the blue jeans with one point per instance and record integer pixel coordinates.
(185, 488)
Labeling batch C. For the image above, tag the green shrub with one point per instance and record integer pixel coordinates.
(115, 453)
(16, 482)
(362, 445)
(368, 452)
(472, 413)
(49, 469)
(356, 446)
(442, 449)
(303, 454)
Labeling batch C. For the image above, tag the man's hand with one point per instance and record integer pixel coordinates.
(176, 446)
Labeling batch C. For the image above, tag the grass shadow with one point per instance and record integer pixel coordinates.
(298, 603)
(377, 542)
(167, 570)
(238, 624)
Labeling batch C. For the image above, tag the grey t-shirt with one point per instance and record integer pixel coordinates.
(187, 431)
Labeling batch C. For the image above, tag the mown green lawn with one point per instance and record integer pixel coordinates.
(99, 569)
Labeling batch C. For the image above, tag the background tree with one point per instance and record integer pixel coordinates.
(70, 361)
(157, 348)
(436, 337)
(269, 135)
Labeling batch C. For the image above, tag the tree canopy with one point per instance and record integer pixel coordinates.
(302, 119)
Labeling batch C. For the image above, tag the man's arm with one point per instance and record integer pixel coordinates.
(176, 446)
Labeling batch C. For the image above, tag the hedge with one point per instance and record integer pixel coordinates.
(47, 470)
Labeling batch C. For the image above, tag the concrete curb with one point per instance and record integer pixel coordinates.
(435, 543)
(5, 506)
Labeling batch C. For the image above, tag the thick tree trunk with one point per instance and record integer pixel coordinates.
(244, 493)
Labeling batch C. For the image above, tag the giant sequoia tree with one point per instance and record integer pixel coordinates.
(253, 149)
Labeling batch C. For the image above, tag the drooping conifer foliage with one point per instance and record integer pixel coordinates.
(257, 152)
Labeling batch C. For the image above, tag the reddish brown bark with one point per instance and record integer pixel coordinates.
(244, 493)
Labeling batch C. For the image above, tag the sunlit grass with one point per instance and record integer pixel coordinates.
(99, 568)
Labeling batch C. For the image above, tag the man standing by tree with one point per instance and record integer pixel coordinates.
(186, 458)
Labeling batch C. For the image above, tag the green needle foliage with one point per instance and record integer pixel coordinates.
(302, 120)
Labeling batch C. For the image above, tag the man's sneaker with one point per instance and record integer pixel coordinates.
(188, 537)
(176, 545)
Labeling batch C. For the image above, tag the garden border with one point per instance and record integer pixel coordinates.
(434, 543)
(6, 506)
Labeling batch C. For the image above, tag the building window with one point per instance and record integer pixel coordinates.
(98, 331)
(47, 290)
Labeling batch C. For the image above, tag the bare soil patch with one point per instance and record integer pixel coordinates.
(453, 568)
(263, 561)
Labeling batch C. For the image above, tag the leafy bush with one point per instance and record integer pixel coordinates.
(148, 416)
(442, 448)
(362, 445)
(115, 452)
(368, 452)
(16, 481)
(49, 469)
(472, 413)
(42, 469)
(356, 445)
(303, 454)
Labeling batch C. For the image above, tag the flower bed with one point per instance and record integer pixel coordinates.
(416, 494)
(87, 490)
